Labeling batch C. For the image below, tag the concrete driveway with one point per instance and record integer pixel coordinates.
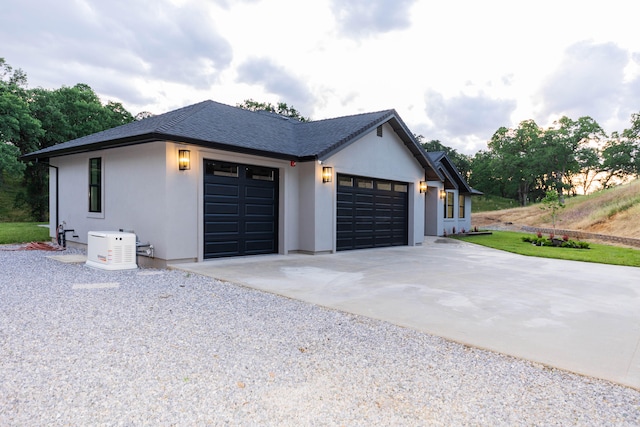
(577, 316)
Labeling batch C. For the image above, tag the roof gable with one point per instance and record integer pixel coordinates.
(443, 163)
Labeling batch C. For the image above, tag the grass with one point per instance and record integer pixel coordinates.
(512, 242)
(22, 232)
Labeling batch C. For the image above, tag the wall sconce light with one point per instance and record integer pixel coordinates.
(184, 160)
(443, 194)
(327, 174)
(423, 186)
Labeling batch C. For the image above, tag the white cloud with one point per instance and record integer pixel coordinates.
(455, 71)
(366, 17)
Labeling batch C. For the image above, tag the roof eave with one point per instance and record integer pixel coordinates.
(153, 137)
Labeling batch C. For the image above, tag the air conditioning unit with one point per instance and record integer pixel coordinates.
(111, 250)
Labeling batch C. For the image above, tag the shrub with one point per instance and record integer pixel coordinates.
(565, 237)
(541, 241)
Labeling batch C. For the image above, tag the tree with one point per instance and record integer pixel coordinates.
(280, 108)
(562, 144)
(552, 203)
(64, 114)
(9, 163)
(516, 157)
(19, 131)
(461, 161)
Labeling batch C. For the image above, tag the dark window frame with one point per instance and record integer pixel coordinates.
(95, 185)
(449, 205)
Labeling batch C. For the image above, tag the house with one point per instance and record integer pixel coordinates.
(210, 180)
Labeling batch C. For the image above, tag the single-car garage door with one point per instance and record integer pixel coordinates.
(240, 209)
(371, 213)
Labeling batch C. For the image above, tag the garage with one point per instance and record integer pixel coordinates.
(240, 209)
(371, 213)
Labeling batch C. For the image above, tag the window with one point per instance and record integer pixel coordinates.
(262, 174)
(448, 205)
(221, 169)
(364, 183)
(400, 188)
(384, 185)
(379, 131)
(461, 206)
(95, 184)
(345, 181)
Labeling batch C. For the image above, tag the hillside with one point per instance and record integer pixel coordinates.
(614, 212)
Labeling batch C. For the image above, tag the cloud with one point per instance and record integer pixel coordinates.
(468, 115)
(588, 82)
(365, 17)
(145, 39)
(464, 122)
(277, 80)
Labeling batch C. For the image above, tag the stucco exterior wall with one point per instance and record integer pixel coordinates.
(372, 156)
(138, 169)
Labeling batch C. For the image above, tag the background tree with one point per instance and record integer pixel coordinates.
(562, 144)
(280, 108)
(515, 158)
(19, 131)
(64, 114)
(32, 119)
(462, 161)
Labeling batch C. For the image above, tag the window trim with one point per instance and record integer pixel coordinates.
(99, 213)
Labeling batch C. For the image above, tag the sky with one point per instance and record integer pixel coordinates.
(455, 71)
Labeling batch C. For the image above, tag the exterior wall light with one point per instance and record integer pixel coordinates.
(327, 174)
(423, 186)
(184, 160)
(443, 194)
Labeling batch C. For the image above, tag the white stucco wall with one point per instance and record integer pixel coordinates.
(137, 195)
(383, 157)
(435, 222)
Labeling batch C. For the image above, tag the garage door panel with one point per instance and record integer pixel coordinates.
(371, 213)
(240, 211)
(221, 227)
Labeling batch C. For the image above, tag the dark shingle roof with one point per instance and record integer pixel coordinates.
(217, 125)
(443, 164)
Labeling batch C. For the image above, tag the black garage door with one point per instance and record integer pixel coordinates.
(240, 209)
(371, 213)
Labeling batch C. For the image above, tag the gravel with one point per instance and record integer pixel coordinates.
(80, 346)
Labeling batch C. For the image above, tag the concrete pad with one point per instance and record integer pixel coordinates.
(581, 317)
(69, 259)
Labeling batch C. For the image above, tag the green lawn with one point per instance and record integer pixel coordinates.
(512, 242)
(22, 232)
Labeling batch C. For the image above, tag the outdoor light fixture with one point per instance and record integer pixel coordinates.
(184, 160)
(443, 194)
(327, 174)
(423, 186)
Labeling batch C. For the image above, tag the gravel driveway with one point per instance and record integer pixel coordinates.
(80, 346)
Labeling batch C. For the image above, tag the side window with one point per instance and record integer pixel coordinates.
(95, 184)
(448, 205)
(460, 206)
